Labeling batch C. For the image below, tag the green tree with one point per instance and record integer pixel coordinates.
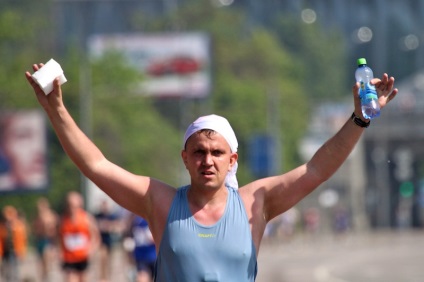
(322, 55)
(249, 68)
(19, 47)
(254, 70)
(126, 125)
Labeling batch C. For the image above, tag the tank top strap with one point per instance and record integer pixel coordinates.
(179, 208)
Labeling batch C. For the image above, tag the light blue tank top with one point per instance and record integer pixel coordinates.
(192, 252)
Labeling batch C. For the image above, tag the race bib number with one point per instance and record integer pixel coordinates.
(75, 242)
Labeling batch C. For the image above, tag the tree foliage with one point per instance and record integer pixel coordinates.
(19, 21)
(321, 54)
(258, 75)
(251, 69)
(132, 133)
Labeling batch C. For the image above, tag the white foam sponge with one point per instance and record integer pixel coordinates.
(46, 75)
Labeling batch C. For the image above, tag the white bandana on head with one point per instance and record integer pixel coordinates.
(223, 127)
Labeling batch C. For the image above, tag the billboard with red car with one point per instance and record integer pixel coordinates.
(171, 64)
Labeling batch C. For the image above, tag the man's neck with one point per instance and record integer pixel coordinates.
(207, 206)
(201, 196)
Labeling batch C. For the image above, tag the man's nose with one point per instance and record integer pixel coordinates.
(207, 159)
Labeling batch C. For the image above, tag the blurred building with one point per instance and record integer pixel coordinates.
(389, 32)
(382, 182)
(395, 159)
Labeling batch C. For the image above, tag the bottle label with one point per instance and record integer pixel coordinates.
(367, 92)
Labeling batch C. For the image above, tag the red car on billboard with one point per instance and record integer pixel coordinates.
(180, 65)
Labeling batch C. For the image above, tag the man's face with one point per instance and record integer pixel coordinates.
(208, 159)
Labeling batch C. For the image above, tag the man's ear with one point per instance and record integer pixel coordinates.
(233, 160)
(184, 157)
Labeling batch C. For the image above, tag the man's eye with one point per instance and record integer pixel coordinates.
(217, 153)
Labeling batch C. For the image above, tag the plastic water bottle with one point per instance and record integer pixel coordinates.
(367, 93)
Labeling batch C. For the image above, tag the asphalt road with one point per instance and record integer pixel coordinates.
(395, 256)
(390, 256)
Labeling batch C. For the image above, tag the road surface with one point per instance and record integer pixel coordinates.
(384, 256)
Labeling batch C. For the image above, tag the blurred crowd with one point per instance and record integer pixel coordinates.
(309, 222)
(74, 241)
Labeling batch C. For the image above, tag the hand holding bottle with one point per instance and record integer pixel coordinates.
(373, 93)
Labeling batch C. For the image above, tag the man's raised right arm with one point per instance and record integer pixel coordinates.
(127, 189)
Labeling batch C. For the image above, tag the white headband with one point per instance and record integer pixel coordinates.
(223, 127)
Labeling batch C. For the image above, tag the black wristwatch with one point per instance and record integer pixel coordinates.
(358, 121)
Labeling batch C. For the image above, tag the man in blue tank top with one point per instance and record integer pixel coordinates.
(209, 230)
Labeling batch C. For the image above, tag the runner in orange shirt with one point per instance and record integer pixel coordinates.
(13, 243)
(79, 238)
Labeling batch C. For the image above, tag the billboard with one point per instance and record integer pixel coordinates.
(23, 151)
(170, 64)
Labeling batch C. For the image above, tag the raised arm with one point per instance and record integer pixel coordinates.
(129, 190)
(282, 192)
(335, 151)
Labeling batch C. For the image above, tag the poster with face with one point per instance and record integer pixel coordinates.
(23, 151)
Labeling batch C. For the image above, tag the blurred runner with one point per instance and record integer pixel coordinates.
(45, 230)
(79, 239)
(13, 244)
(143, 248)
(109, 225)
